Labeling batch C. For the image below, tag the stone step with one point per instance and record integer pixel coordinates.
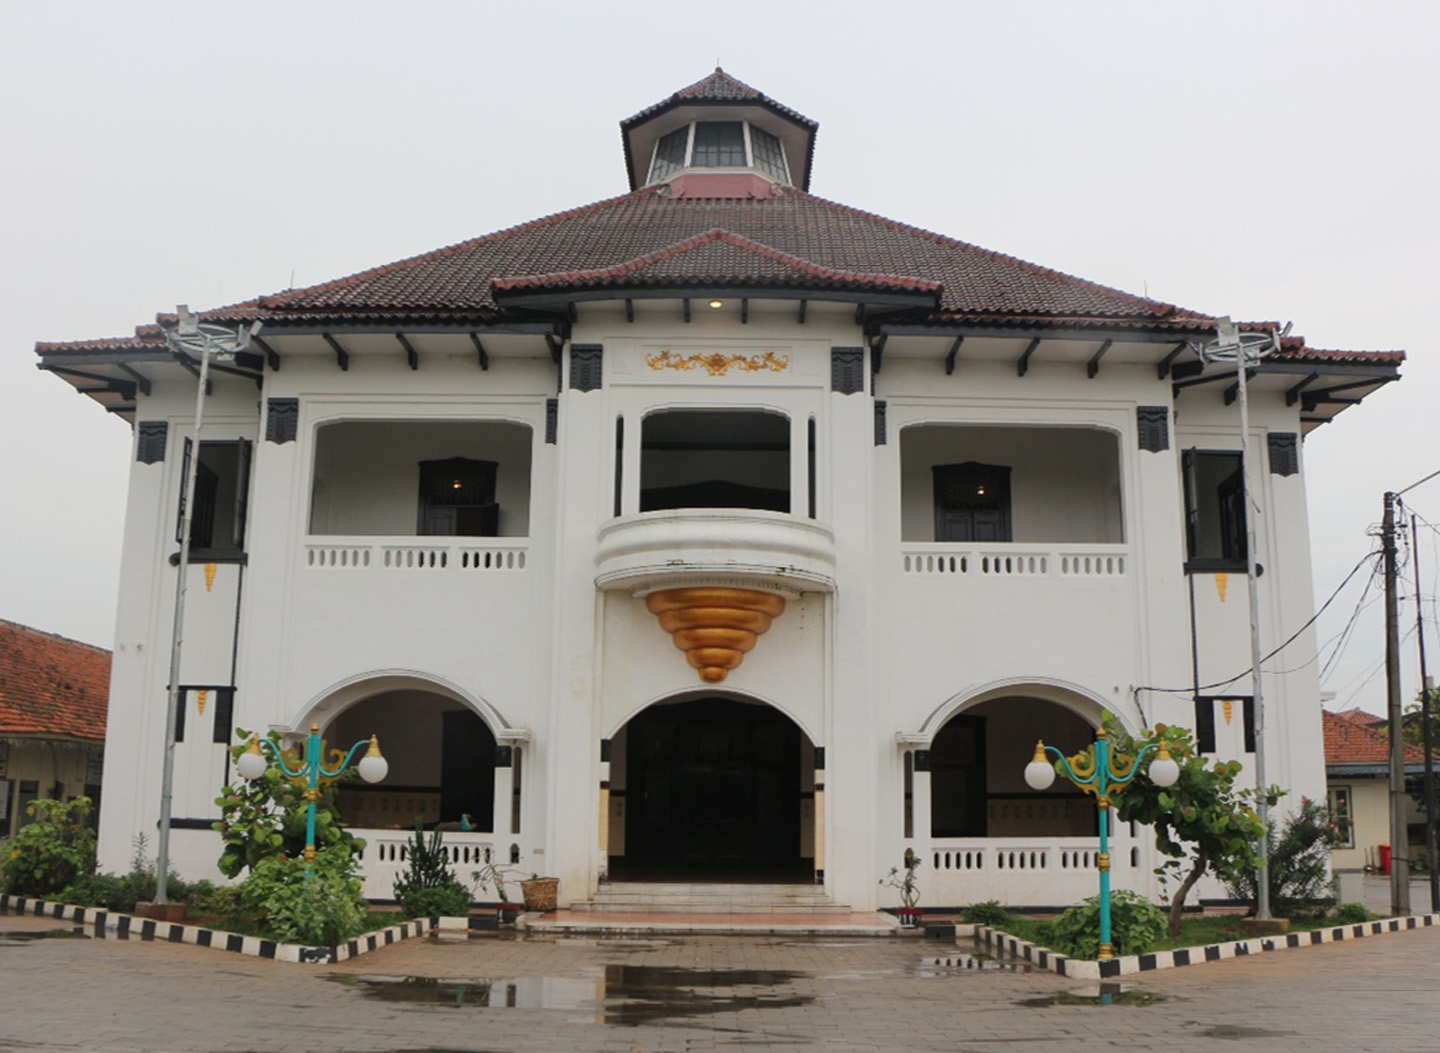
(719, 898)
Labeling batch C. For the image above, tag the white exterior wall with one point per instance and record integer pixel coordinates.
(868, 667)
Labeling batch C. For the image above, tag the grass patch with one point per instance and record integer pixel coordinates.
(1196, 931)
(242, 926)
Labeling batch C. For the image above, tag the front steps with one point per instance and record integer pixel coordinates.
(656, 897)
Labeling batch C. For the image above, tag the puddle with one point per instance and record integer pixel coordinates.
(621, 995)
(950, 964)
(22, 936)
(1240, 1031)
(1101, 994)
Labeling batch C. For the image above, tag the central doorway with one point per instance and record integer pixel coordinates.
(713, 791)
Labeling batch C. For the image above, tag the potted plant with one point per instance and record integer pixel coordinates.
(902, 878)
(491, 873)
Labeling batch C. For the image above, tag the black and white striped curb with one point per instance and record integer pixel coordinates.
(126, 926)
(1132, 964)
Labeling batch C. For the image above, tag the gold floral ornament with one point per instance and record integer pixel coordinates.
(717, 365)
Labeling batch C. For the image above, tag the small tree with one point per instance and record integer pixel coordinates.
(265, 817)
(53, 851)
(1202, 820)
(429, 888)
(1298, 863)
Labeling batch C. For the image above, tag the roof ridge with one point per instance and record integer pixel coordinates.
(1050, 272)
(638, 263)
(277, 300)
(54, 636)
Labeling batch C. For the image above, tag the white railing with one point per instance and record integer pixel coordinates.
(1027, 871)
(1013, 561)
(348, 554)
(387, 855)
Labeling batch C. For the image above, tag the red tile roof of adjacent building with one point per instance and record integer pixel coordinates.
(50, 686)
(1360, 716)
(1349, 742)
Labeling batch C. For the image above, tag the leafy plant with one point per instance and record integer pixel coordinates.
(56, 849)
(904, 880)
(990, 913)
(266, 817)
(429, 888)
(1298, 865)
(1202, 822)
(325, 910)
(1135, 925)
(1353, 914)
(495, 874)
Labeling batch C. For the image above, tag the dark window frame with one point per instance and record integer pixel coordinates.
(205, 513)
(1223, 548)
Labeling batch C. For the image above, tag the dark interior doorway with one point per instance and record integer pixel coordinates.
(713, 792)
(467, 769)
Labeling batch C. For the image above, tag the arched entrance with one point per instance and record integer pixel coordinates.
(442, 761)
(977, 761)
(713, 788)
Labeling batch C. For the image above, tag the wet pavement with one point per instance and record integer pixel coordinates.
(63, 991)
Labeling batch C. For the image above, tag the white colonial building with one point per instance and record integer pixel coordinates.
(712, 531)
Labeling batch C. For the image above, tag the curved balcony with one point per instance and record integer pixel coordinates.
(670, 548)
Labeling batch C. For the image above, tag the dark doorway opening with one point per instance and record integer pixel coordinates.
(713, 790)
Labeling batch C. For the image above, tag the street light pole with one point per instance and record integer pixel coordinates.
(1099, 771)
(1248, 349)
(190, 338)
(1425, 689)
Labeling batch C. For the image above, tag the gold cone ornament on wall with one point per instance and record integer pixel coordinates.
(715, 625)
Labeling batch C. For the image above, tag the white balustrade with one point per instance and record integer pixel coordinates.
(1015, 561)
(348, 554)
(1023, 869)
(387, 855)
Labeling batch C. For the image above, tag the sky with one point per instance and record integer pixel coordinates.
(1265, 160)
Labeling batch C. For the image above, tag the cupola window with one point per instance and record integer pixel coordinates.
(719, 144)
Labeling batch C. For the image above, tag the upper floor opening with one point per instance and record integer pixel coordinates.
(719, 145)
(426, 478)
(997, 484)
(715, 459)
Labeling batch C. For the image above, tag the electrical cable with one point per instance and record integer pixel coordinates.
(1293, 637)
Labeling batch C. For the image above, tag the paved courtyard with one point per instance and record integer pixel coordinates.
(696, 993)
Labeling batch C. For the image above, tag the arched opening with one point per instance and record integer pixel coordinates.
(977, 765)
(712, 788)
(442, 762)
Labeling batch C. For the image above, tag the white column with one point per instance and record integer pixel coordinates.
(920, 802)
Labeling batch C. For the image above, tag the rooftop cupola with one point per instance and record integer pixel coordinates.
(719, 138)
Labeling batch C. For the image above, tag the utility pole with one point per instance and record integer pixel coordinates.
(1399, 836)
(1425, 689)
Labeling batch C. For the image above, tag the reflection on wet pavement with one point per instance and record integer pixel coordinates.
(23, 936)
(1099, 994)
(623, 995)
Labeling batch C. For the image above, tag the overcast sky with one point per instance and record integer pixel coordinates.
(1262, 160)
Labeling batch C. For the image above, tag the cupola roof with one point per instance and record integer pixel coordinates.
(718, 97)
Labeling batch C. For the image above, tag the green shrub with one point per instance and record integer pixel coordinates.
(1135, 925)
(1353, 914)
(451, 900)
(325, 910)
(990, 913)
(1299, 865)
(53, 852)
(429, 888)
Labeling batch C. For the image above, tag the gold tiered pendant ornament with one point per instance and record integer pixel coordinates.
(715, 625)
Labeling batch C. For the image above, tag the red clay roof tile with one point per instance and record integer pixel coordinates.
(1348, 742)
(51, 686)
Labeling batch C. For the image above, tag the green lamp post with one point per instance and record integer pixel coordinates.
(252, 765)
(1098, 770)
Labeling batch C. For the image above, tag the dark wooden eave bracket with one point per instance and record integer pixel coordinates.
(342, 357)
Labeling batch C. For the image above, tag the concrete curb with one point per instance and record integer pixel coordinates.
(1132, 964)
(127, 926)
